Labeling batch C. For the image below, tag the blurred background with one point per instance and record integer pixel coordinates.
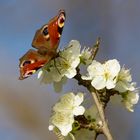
(25, 106)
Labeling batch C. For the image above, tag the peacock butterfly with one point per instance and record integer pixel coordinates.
(45, 42)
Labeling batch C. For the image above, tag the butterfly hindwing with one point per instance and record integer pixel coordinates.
(31, 62)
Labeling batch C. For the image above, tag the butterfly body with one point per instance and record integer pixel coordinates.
(46, 41)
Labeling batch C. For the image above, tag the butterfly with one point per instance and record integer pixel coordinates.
(45, 42)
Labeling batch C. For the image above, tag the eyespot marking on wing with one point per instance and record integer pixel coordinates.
(26, 62)
(28, 73)
(61, 20)
(45, 32)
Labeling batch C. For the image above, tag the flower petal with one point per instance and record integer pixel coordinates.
(65, 129)
(51, 127)
(98, 82)
(39, 74)
(78, 110)
(95, 69)
(78, 99)
(86, 77)
(75, 62)
(70, 73)
(113, 67)
(110, 84)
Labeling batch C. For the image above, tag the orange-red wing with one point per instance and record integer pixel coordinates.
(48, 36)
(31, 62)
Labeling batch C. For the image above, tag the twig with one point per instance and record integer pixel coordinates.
(102, 115)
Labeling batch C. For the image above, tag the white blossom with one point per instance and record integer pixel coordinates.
(62, 66)
(86, 56)
(49, 74)
(103, 75)
(65, 110)
(130, 98)
(124, 80)
(63, 121)
(70, 103)
(70, 59)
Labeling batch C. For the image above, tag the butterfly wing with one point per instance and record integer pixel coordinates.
(31, 62)
(48, 36)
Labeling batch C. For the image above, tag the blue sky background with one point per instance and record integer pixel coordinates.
(25, 105)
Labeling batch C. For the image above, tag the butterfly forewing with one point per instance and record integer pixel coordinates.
(48, 36)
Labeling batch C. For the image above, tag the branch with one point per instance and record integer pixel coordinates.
(102, 115)
(98, 103)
